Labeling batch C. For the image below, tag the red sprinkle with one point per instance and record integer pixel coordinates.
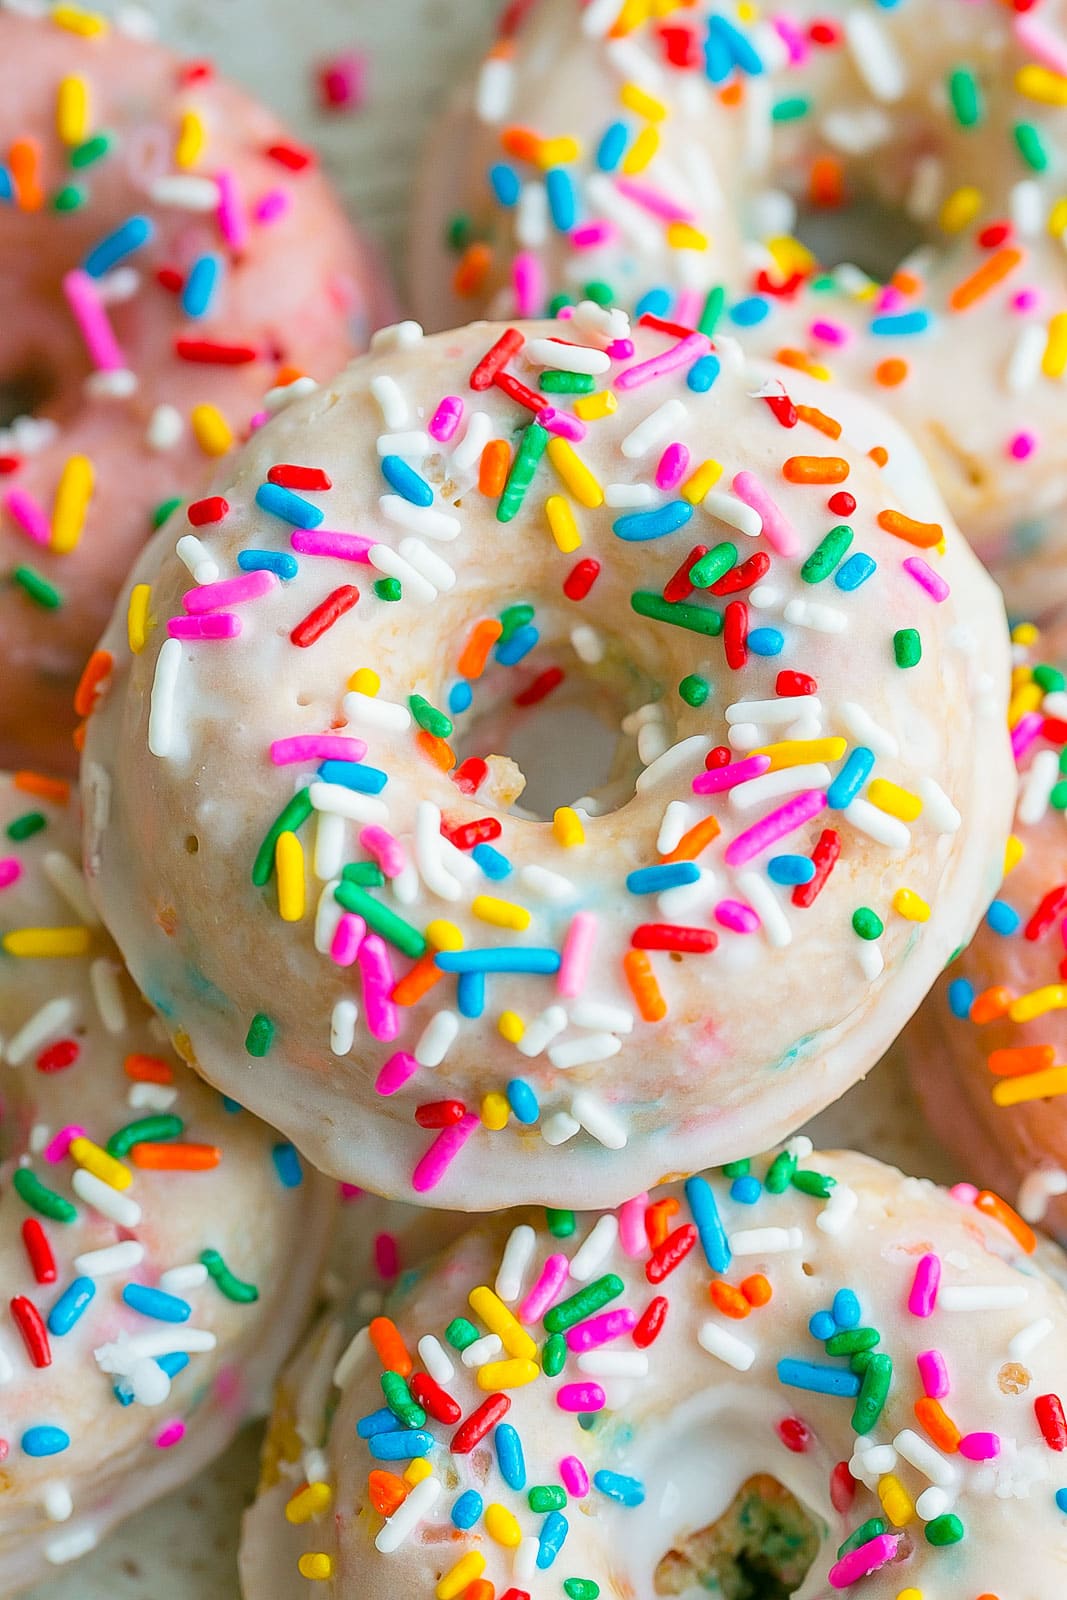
(480, 831)
(171, 279)
(1048, 1410)
(495, 360)
(30, 1324)
(293, 156)
(675, 330)
(440, 1114)
(735, 634)
(744, 575)
(665, 936)
(470, 774)
(671, 1253)
(541, 687)
(678, 587)
(213, 509)
(795, 1435)
(516, 390)
(721, 756)
(842, 504)
(651, 1322)
(1052, 906)
(59, 1056)
(842, 1487)
(581, 578)
(9, 464)
(316, 623)
(824, 856)
(479, 1423)
(781, 288)
(679, 46)
(306, 478)
(783, 408)
(432, 1398)
(995, 234)
(793, 683)
(1055, 730)
(42, 1261)
(210, 352)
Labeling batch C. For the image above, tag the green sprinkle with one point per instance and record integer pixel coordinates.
(364, 874)
(966, 97)
(554, 382)
(290, 819)
(818, 1184)
(737, 1169)
(1031, 146)
(791, 110)
(867, 923)
(34, 1193)
(1050, 679)
(399, 1400)
(90, 150)
(1058, 797)
(388, 589)
(147, 1130)
(554, 1355)
(873, 1528)
(907, 647)
(560, 1224)
(380, 919)
(851, 1341)
(512, 619)
(460, 1333)
(780, 1173)
(873, 1394)
(38, 589)
(713, 566)
(945, 1530)
(547, 1497)
(70, 198)
(827, 554)
(698, 619)
(714, 306)
(459, 233)
(165, 509)
(592, 1298)
(600, 292)
(428, 717)
(860, 1362)
(227, 1282)
(580, 1588)
(558, 303)
(694, 689)
(26, 826)
(260, 1035)
(527, 460)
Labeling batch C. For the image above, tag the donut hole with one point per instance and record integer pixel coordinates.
(866, 233)
(27, 389)
(761, 1548)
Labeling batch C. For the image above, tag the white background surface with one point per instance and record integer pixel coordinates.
(183, 1548)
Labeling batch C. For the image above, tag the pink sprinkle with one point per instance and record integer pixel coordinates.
(923, 1297)
(343, 81)
(216, 625)
(979, 1446)
(889, 298)
(737, 916)
(1025, 731)
(58, 1148)
(621, 349)
(672, 467)
(257, 420)
(632, 1234)
(591, 235)
(771, 828)
(655, 201)
(170, 1434)
(927, 578)
(562, 423)
(576, 954)
(870, 1557)
(965, 1193)
(387, 1256)
(1025, 300)
(10, 871)
(396, 1072)
(1022, 445)
(601, 1330)
(720, 778)
(528, 280)
(229, 592)
(316, 747)
(681, 354)
(830, 332)
(933, 1374)
(233, 223)
(688, 308)
(348, 935)
(577, 1397)
(31, 518)
(380, 843)
(780, 532)
(546, 1290)
(1039, 41)
(793, 38)
(88, 311)
(376, 970)
(575, 1478)
(341, 546)
(446, 419)
(272, 207)
(350, 1192)
(441, 1154)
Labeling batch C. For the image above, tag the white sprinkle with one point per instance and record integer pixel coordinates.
(331, 845)
(1037, 786)
(546, 884)
(602, 1015)
(179, 1280)
(328, 914)
(54, 1018)
(674, 824)
(1024, 362)
(113, 1258)
(771, 912)
(428, 564)
(769, 713)
(773, 785)
(119, 384)
(524, 1566)
(614, 1364)
(838, 1211)
(436, 1359)
(392, 563)
(195, 555)
(518, 1253)
(428, 521)
(354, 1351)
(870, 958)
(7, 1371)
(476, 436)
(72, 1545)
(542, 1030)
(661, 422)
(686, 753)
(121, 1356)
(392, 402)
(412, 444)
(734, 512)
(287, 394)
(676, 904)
(103, 1198)
(185, 191)
(877, 1459)
(628, 496)
(857, 721)
(165, 428)
(587, 643)
(482, 1350)
(982, 1296)
(638, 227)
(924, 1458)
(567, 358)
(600, 323)
(342, 802)
(531, 216)
(1027, 1339)
(600, 1123)
(598, 17)
(937, 807)
(399, 336)
(435, 875)
(105, 982)
(765, 1241)
(653, 741)
(585, 1050)
(877, 59)
(816, 616)
(877, 824)
(1037, 1189)
(407, 1516)
(164, 689)
(69, 881)
(727, 1346)
(343, 1019)
(924, 192)
(559, 1127)
(595, 1248)
(933, 1502)
(151, 1096)
(436, 1038)
(369, 711)
(496, 82)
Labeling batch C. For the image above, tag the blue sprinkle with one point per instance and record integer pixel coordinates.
(467, 1509)
(562, 202)
(892, 327)
(612, 148)
(1061, 1499)
(492, 863)
(231, 1107)
(134, 233)
(290, 507)
(280, 562)
(703, 373)
(846, 1309)
(382, 1421)
(470, 994)
(523, 1101)
(500, 958)
(287, 1165)
(554, 1531)
(742, 52)
(354, 775)
(855, 571)
(506, 184)
(850, 780)
(511, 651)
(71, 1306)
(509, 1456)
(404, 1446)
(174, 1363)
(406, 481)
(460, 697)
(820, 1380)
(822, 1326)
(766, 641)
(156, 1303)
(7, 189)
(45, 1441)
(654, 303)
(747, 1190)
(790, 869)
(747, 313)
(1002, 919)
(960, 998)
(718, 59)
(639, 526)
(201, 285)
(627, 1491)
(669, 875)
(709, 1225)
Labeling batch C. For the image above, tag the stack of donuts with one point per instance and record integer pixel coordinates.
(529, 773)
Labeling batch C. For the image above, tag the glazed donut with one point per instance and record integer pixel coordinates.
(662, 157)
(613, 989)
(167, 254)
(158, 1250)
(816, 1370)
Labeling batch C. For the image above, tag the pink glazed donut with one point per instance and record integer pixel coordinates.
(168, 253)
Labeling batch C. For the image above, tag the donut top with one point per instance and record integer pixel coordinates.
(158, 1248)
(547, 1411)
(306, 829)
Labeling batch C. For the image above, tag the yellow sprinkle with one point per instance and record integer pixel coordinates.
(1053, 997)
(797, 752)
(311, 1501)
(495, 1111)
(567, 827)
(137, 617)
(683, 236)
(502, 1526)
(702, 481)
(462, 1575)
(289, 864)
(910, 1594)
(1054, 359)
(507, 1374)
(632, 14)
(594, 407)
(1030, 1086)
(911, 906)
(444, 935)
(417, 1469)
(1025, 633)
(961, 208)
(501, 913)
(100, 1164)
(511, 1026)
(575, 474)
(558, 152)
(898, 802)
(789, 255)
(211, 430)
(1014, 851)
(1040, 84)
(1057, 218)
(365, 681)
(504, 1323)
(897, 1503)
(46, 942)
(316, 1565)
(88, 23)
(641, 153)
(643, 104)
(72, 110)
(73, 493)
(192, 137)
(1027, 698)
(561, 522)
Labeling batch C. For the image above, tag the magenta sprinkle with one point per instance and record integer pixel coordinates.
(575, 1478)
(1022, 445)
(10, 871)
(601, 1330)
(441, 1154)
(546, 1290)
(347, 938)
(933, 1374)
(672, 467)
(170, 1434)
(870, 1557)
(720, 778)
(376, 970)
(580, 1397)
(229, 592)
(562, 424)
(737, 916)
(387, 1256)
(233, 222)
(528, 280)
(771, 828)
(1025, 731)
(31, 518)
(272, 207)
(89, 313)
(591, 235)
(923, 1297)
(58, 1148)
(980, 1446)
(341, 546)
(927, 578)
(316, 747)
(446, 419)
(621, 349)
(830, 333)
(396, 1072)
(216, 625)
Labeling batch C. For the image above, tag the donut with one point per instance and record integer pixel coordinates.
(809, 1370)
(446, 993)
(664, 158)
(159, 1249)
(986, 1051)
(168, 255)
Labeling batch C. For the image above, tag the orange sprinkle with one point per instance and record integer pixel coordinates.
(818, 419)
(732, 94)
(391, 1349)
(91, 683)
(991, 1004)
(57, 790)
(906, 282)
(78, 737)
(1024, 1058)
(494, 468)
(658, 1220)
(891, 373)
(522, 143)
(827, 185)
(439, 751)
(696, 839)
(991, 1205)
(480, 1589)
(409, 989)
(879, 455)
(923, 534)
(24, 161)
(801, 363)
(993, 270)
(148, 1069)
(730, 1301)
(756, 1289)
(165, 1157)
(286, 375)
(472, 271)
(938, 1424)
(815, 469)
(387, 1491)
(475, 653)
(643, 986)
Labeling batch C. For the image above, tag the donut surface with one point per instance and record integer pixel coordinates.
(568, 1410)
(139, 1218)
(624, 988)
(167, 254)
(665, 157)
